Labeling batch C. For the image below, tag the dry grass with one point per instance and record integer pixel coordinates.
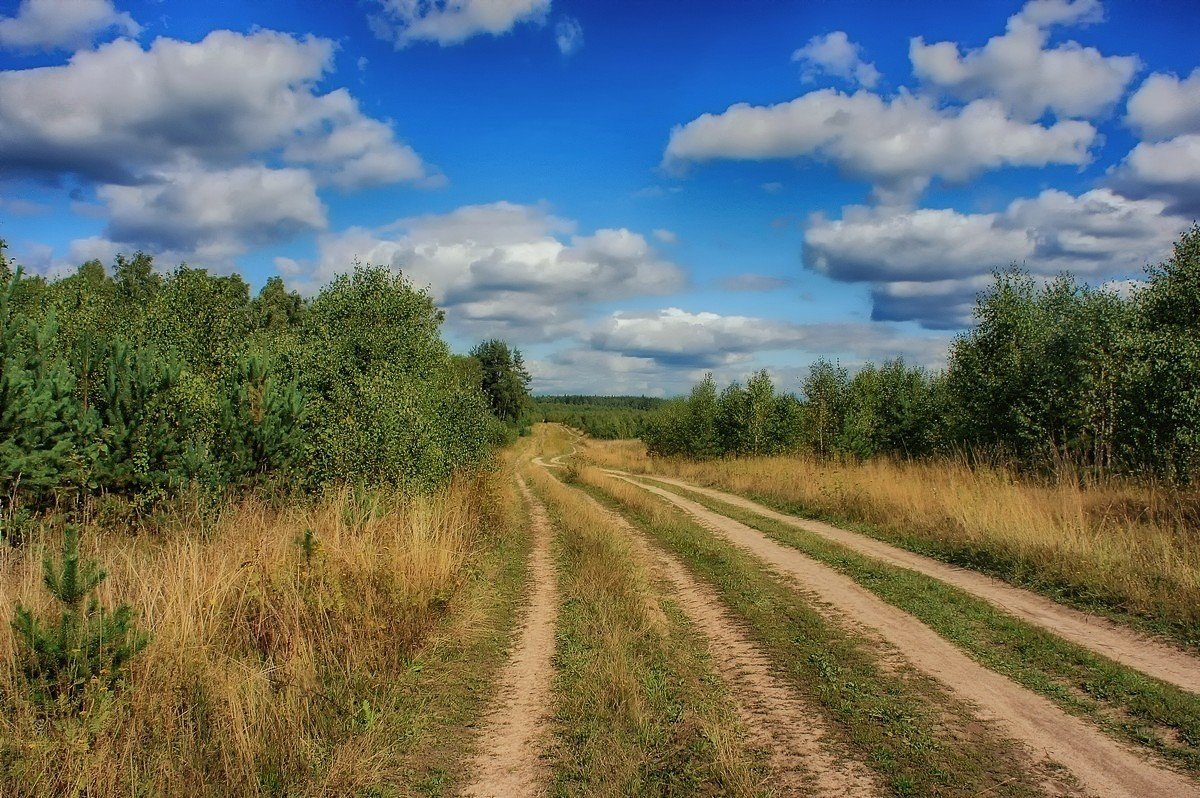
(1128, 548)
(267, 673)
(640, 711)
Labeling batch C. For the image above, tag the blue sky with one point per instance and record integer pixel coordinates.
(632, 192)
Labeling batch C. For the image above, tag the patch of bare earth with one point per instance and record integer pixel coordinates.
(508, 763)
(776, 719)
(1102, 766)
(1150, 656)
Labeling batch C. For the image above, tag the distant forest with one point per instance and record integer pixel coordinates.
(606, 417)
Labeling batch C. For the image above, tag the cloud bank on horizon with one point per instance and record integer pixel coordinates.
(632, 199)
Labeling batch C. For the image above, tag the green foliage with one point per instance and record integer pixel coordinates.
(503, 378)
(139, 385)
(39, 417)
(753, 420)
(1052, 376)
(87, 646)
(605, 417)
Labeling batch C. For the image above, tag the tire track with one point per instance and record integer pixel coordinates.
(1102, 766)
(513, 736)
(777, 720)
(1120, 644)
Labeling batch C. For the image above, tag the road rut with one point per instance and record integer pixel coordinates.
(1102, 766)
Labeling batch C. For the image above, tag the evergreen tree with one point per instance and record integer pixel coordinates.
(39, 414)
(88, 645)
(504, 380)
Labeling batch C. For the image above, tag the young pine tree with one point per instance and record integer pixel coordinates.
(86, 645)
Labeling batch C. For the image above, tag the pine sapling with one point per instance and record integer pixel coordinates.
(89, 646)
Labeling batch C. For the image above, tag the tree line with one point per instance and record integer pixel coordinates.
(605, 417)
(136, 385)
(1051, 376)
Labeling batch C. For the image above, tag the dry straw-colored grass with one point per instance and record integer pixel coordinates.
(1134, 548)
(260, 659)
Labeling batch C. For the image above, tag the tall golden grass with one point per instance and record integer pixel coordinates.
(1131, 547)
(266, 670)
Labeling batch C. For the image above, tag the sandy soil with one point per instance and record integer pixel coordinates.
(508, 764)
(1102, 766)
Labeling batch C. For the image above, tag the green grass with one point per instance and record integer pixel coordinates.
(905, 727)
(639, 710)
(1122, 701)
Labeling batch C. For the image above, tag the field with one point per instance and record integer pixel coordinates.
(585, 620)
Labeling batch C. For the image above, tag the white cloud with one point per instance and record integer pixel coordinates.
(1165, 106)
(502, 268)
(1044, 13)
(666, 236)
(673, 337)
(1168, 170)
(62, 24)
(451, 21)
(580, 370)
(928, 264)
(898, 144)
(1020, 70)
(117, 112)
(835, 55)
(211, 216)
(568, 35)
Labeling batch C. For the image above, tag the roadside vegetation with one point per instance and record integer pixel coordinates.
(1057, 449)
(1060, 379)
(248, 545)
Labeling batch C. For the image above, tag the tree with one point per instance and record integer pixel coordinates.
(87, 646)
(505, 382)
(40, 420)
(825, 390)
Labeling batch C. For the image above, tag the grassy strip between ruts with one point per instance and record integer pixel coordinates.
(1121, 700)
(639, 711)
(988, 560)
(903, 725)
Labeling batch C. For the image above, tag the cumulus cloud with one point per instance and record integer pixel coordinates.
(899, 144)
(666, 236)
(1168, 170)
(62, 24)
(1165, 106)
(835, 55)
(502, 268)
(451, 21)
(699, 340)
(581, 370)
(113, 113)
(568, 35)
(213, 215)
(1027, 76)
(928, 264)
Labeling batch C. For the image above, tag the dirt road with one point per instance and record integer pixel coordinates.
(1102, 766)
(1152, 657)
(508, 764)
(777, 720)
